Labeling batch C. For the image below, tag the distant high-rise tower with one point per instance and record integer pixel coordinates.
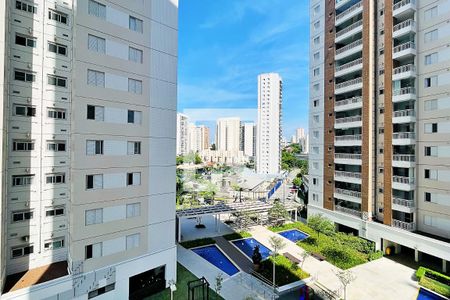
(198, 138)
(269, 130)
(227, 134)
(248, 138)
(182, 134)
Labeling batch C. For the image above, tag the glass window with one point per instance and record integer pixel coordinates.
(97, 9)
(94, 216)
(136, 24)
(431, 58)
(96, 78)
(135, 55)
(96, 43)
(431, 36)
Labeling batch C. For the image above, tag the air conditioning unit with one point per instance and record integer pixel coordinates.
(55, 39)
(30, 30)
(30, 66)
(26, 238)
(27, 204)
(29, 99)
(28, 134)
(27, 170)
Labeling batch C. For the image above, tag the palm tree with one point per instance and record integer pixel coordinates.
(277, 244)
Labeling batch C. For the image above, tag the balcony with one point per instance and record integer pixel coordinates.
(348, 86)
(403, 138)
(403, 28)
(403, 7)
(339, 3)
(348, 31)
(410, 226)
(403, 183)
(349, 49)
(347, 195)
(349, 13)
(404, 94)
(350, 177)
(348, 211)
(350, 67)
(404, 116)
(348, 104)
(404, 72)
(348, 122)
(348, 140)
(403, 205)
(347, 158)
(405, 50)
(403, 160)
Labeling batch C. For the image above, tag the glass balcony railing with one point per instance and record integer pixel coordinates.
(349, 211)
(405, 113)
(404, 69)
(348, 11)
(348, 83)
(404, 46)
(349, 64)
(352, 100)
(405, 91)
(404, 24)
(404, 157)
(349, 46)
(347, 174)
(348, 119)
(410, 226)
(356, 137)
(402, 3)
(347, 156)
(347, 192)
(404, 135)
(349, 28)
(403, 202)
(403, 179)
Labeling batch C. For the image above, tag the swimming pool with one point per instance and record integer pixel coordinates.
(427, 295)
(213, 255)
(247, 246)
(294, 235)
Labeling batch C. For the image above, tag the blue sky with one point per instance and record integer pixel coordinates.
(225, 44)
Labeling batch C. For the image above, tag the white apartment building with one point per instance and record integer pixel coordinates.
(300, 134)
(269, 130)
(228, 134)
(379, 107)
(198, 138)
(89, 93)
(248, 139)
(182, 134)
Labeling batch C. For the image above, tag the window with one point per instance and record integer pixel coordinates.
(94, 250)
(133, 241)
(430, 105)
(25, 41)
(431, 81)
(430, 174)
(54, 244)
(55, 211)
(22, 180)
(101, 291)
(316, 103)
(136, 24)
(135, 55)
(381, 51)
(315, 181)
(431, 127)
(430, 13)
(134, 148)
(57, 48)
(94, 216)
(315, 150)
(316, 72)
(316, 118)
(316, 25)
(381, 12)
(380, 170)
(57, 16)
(20, 216)
(95, 112)
(316, 40)
(94, 182)
(58, 81)
(56, 146)
(96, 44)
(135, 86)
(315, 197)
(24, 110)
(381, 110)
(134, 178)
(316, 9)
(21, 251)
(96, 78)
(55, 178)
(427, 197)
(21, 5)
(56, 113)
(23, 145)
(315, 165)
(316, 56)
(431, 59)
(316, 87)
(94, 147)
(26, 76)
(133, 210)
(134, 117)
(316, 134)
(431, 151)
(97, 9)
(431, 36)
(381, 92)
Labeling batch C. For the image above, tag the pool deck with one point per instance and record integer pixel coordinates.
(236, 256)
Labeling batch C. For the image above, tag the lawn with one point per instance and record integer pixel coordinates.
(237, 235)
(286, 272)
(340, 249)
(183, 277)
(434, 281)
(198, 243)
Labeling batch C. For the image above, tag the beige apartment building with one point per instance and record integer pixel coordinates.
(89, 140)
(379, 130)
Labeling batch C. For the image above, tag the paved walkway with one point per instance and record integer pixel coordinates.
(236, 256)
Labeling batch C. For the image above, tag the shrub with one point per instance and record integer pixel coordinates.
(237, 235)
(375, 255)
(284, 273)
(198, 243)
(420, 272)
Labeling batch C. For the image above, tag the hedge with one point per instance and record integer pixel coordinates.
(237, 235)
(434, 281)
(285, 271)
(198, 243)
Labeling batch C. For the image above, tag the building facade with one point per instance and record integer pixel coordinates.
(89, 93)
(182, 134)
(198, 138)
(228, 132)
(248, 139)
(269, 130)
(378, 130)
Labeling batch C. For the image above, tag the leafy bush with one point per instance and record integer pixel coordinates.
(198, 243)
(420, 272)
(285, 273)
(375, 255)
(237, 235)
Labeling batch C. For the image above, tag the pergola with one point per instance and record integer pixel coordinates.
(227, 208)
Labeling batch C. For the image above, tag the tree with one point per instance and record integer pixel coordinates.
(219, 280)
(304, 255)
(243, 220)
(179, 160)
(320, 224)
(277, 213)
(197, 159)
(277, 244)
(213, 147)
(345, 277)
(256, 257)
(297, 181)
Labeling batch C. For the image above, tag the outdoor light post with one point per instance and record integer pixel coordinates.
(173, 288)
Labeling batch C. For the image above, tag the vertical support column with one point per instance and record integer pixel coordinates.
(444, 266)
(218, 223)
(179, 229)
(417, 255)
(295, 217)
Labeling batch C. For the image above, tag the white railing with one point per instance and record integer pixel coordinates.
(356, 137)
(348, 83)
(348, 11)
(404, 225)
(404, 91)
(409, 22)
(404, 135)
(402, 3)
(403, 179)
(347, 156)
(404, 46)
(405, 68)
(404, 157)
(403, 202)
(348, 119)
(349, 46)
(348, 210)
(352, 100)
(405, 113)
(349, 64)
(349, 28)
(347, 192)
(347, 174)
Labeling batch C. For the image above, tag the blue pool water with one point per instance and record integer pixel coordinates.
(247, 246)
(294, 235)
(217, 258)
(427, 295)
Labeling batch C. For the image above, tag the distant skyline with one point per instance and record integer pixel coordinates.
(224, 45)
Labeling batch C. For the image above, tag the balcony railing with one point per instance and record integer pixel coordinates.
(349, 65)
(409, 22)
(348, 11)
(347, 174)
(404, 46)
(405, 90)
(404, 157)
(352, 100)
(356, 137)
(403, 179)
(348, 211)
(348, 119)
(402, 3)
(347, 156)
(403, 202)
(404, 135)
(349, 28)
(347, 192)
(349, 46)
(348, 83)
(410, 226)
(405, 68)
(405, 113)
